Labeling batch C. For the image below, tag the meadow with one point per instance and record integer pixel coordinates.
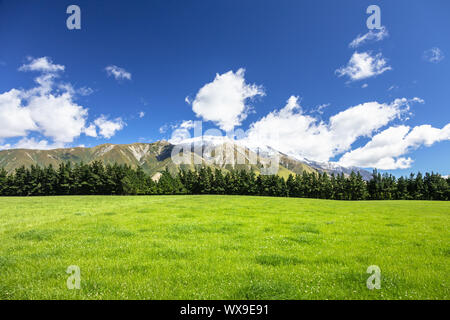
(222, 247)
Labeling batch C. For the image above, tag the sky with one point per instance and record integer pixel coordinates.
(308, 78)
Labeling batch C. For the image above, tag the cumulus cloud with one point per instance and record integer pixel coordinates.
(118, 73)
(319, 109)
(30, 143)
(43, 64)
(57, 116)
(386, 149)
(179, 135)
(91, 131)
(184, 125)
(15, 120)
(224, 100)
(108, 128)
(141, 114)
(180, 130)
(47, 109)
(51, 112)
(362, 120)
(33, 143)
(364, 65)
(433, 55)
(187, 124)
(293, 132)
(372, 35)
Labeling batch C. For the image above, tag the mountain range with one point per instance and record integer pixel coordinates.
(157, 156)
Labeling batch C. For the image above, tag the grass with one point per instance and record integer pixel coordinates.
(222, 247)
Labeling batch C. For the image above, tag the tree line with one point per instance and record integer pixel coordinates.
(114, 179)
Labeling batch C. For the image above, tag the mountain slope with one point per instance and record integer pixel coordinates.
(152, 157)
(148, 155)
(155, 157)
(330, 167)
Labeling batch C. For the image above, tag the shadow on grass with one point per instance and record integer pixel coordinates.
(277, 260)
(266, 290)
(36, 235)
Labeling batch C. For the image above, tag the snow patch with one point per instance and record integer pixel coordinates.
(29, 156)
(105, 150)
(139, 151)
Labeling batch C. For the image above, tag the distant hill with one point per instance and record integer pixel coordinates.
(330, 167)
(155, 157)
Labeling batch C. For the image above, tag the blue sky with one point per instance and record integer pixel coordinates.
(173, 49)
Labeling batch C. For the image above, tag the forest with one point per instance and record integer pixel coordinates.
(113, 179)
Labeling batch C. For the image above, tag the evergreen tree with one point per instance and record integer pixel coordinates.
(96, 178)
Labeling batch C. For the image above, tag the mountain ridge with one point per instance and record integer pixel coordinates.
(156, 156)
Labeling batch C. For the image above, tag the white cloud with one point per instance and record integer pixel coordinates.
(57, 116)
(43, 64)
(85, 91)
(375, 35)
(118, 73)
(184, 125)
(15, 120)
(179, 135)
(31, 143)
(386, 149)
(291, 131)
(163, 129)
(47, 109)
(5, 146)
(223, 101)
(43, 109)
(180, 131)
(187, 124)
(365, 85)
(91, 131)
(108, 128)
(141, 114)
(364, 65)
(319, 109)
(393, 87)
(434, 55)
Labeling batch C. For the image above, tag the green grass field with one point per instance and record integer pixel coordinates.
(222, 247)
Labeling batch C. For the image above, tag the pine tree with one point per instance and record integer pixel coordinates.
(218, 182)
(95, 178)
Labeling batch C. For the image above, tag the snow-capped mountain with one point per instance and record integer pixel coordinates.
(217, 152)
(211, 142)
